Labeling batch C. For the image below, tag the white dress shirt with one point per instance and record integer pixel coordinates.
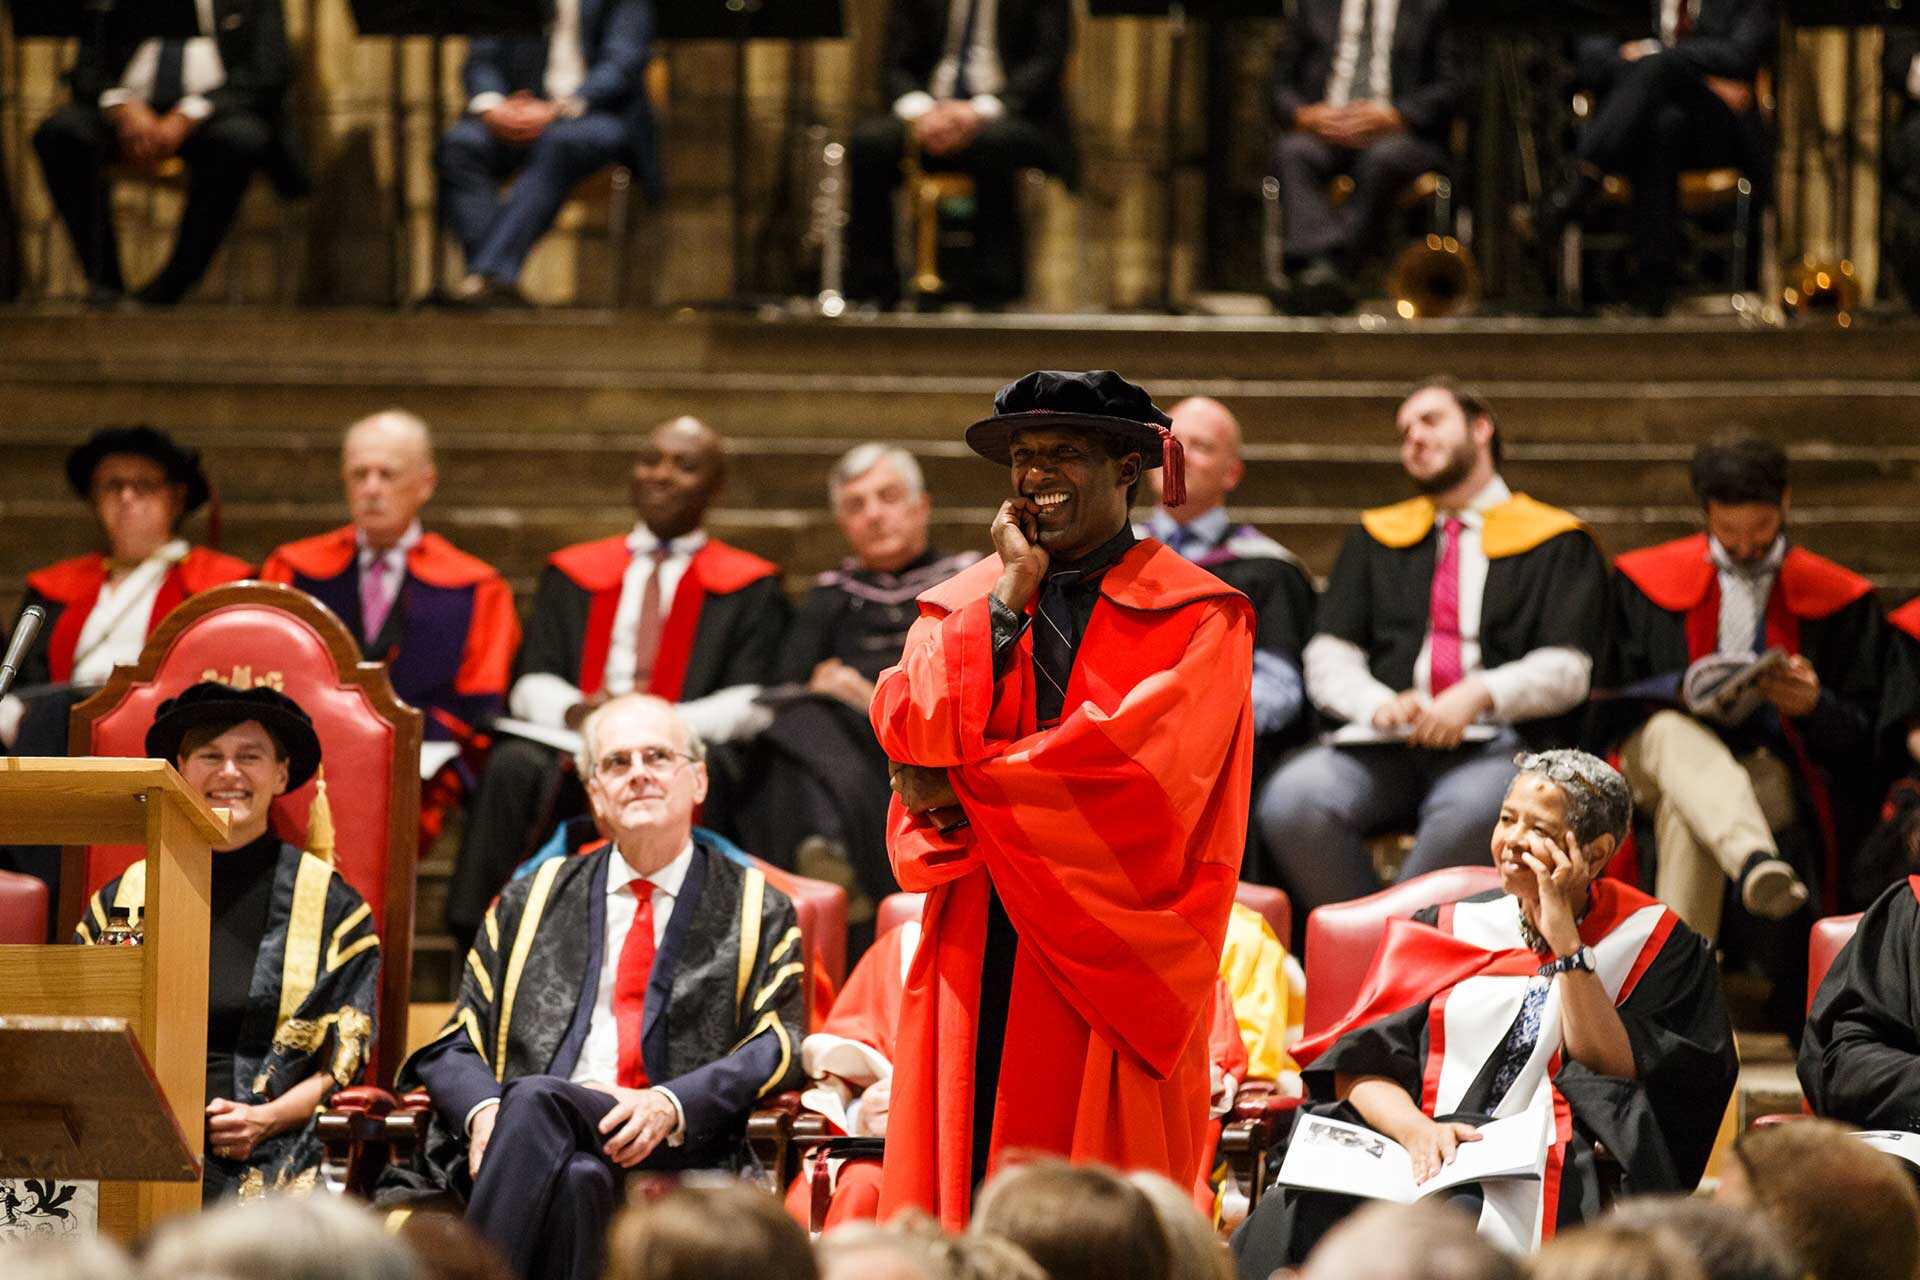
(545, 698)
(201, 71)
(985, 76)
(599, 1060)
(1346, 57)
(1545, 682)
(394, 558)
(566, 62)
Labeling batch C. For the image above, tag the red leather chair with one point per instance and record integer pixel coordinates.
(1829, 936)
(23, 908)
(1342, 936)
(254, 633)
(822, 908)
(1273, 905)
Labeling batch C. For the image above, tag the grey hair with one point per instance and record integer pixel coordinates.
(587, 756)
(863, 458)
(407, 423)
(1599, 802)
(282, 1237)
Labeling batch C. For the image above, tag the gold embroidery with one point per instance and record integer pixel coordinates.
(778, 981)
(770, 1022)
(493, 929)
(337, 958)
(242, 678)
(793, 936)
(480, 975)
(301, 966)
(345, 927)
(522, 946)
(751, 895)
(320, 819)
(306, 1035)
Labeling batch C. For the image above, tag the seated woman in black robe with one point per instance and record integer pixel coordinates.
(1860, 1054)
(294, 961)
(1560, 990)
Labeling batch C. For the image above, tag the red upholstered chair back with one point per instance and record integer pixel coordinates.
(1828, 937)
(822, 908)
(254, 633)
(1273, 904)
(896, 909)
(23, 908)
(1342, 936)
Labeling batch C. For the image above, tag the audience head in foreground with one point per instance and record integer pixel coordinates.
(879, 500)
(913, 1247)
(1407, 1242)
(1844, 1208)
(1194, 1248)
(318, 1237)
(722, 1230)
(1728, 1243)
(64, 1258)
(386, 467)
(1079, 1222)
(1612, 1252)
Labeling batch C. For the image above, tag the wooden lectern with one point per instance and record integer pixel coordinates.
(158, 990)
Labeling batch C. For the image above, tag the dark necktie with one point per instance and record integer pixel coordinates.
(169, 77)
(962, 86)
(1053, 644)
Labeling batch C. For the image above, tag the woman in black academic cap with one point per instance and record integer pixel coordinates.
(294, 961)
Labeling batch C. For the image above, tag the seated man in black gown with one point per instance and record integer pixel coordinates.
(293, 957)
(1560, 990)
(215, 101)
(975, 86)
(1860, 1054)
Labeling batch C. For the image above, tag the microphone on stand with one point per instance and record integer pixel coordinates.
(23, 637)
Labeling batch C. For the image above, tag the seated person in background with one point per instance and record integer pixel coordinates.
(1406, 1242)
(623, 1009)
(1860, 1053)
(1075, 1220)
(1362, 87)
(442, 620)
(1560, 989)
(1241, 556)
(216, 101)
(546, 113)
(1680, 98)
(293, 958)
(664, 610)
(1464, 621)
(815, 795)
(101, 607)
(975, 86)
(1826, 724)
(1900, 75)
(1844, 1209)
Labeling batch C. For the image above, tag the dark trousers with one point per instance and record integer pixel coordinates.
(77, 144)
(1657, 120)
(518, 787)
(545, 1194)
(1001, 150)
(498, 230)
(1305, 165)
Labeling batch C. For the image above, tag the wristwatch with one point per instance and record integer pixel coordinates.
(1581, 959)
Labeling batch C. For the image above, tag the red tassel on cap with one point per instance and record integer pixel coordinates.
(1173, 469)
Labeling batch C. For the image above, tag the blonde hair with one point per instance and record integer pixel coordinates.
(1608, 1251)
(1195, 1248)
(725, 1230)
(1079, 1222)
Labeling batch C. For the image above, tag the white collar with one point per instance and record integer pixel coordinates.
(1492, 494)
(667, 880)
(399, 549)
(164, 557)
(642, 541)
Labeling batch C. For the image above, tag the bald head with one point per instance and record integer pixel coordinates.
(386, 466)
(677, 474)
(1210, 435)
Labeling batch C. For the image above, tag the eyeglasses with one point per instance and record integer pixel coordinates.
(133, 487)
(656, 762)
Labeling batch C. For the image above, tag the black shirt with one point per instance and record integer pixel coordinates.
(242, 896)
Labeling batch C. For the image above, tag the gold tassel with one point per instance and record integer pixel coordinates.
(320, 819)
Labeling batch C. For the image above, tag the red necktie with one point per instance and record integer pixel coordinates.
(630, 988)
(1443, 616)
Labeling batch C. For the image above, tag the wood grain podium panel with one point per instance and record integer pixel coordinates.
(91, 800)
(79, 1101)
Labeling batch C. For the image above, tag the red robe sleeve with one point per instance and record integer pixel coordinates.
(1113, 839)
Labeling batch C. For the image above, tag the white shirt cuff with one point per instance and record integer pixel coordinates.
(116, 97)
(1339, 681)
(194, 107)
(989, 107)
(911, 106)
(466, 1127)
(679, 1134)
(727, 715)
(12, 712)
(543, 698)
(481, 103)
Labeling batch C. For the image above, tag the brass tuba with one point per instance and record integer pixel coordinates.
(925, 193)
(1434, 277)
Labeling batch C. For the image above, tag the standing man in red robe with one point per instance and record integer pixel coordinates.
(1072, 733)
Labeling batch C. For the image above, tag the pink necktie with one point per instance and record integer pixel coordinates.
(1443, 615)
(376, 598)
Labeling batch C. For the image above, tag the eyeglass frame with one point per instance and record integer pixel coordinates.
(671, 761)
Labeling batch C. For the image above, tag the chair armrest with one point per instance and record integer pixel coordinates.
(770, 1141)
(1261, 1118)
(351, 1127)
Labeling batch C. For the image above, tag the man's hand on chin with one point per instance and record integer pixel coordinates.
(641, 1119)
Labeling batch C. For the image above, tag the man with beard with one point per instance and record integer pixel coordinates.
(816, 792)
(665, 610)
(1808, 756)
(1271, 576)
(1072, 730)
(1458, 626)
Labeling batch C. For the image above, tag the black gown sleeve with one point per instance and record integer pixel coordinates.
(1346, 605)
(1860, 1056)
(1683, 1048)
(754, 653)
(555, 631)
(810, 639)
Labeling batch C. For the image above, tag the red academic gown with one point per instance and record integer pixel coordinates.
(1907, 617)
(69, 589)
(1114, 843)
